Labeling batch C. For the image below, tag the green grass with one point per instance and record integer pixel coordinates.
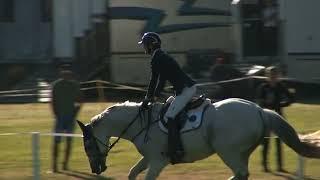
(16, 159)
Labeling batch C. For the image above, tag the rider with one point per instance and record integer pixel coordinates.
(165, 68)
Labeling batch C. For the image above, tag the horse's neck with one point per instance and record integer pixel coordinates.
(126, 119)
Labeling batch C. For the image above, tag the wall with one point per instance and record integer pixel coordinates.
(302, 28)
(302, 38)
(27, 39)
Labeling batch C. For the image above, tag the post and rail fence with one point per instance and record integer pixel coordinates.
(99, 85)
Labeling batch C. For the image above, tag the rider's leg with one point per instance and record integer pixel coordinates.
(174, 141)
(180, 101)
(140, 166)
(174, 151)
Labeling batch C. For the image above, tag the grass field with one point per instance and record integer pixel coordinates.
(16, 159)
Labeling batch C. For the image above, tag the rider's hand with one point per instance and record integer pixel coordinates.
(155, 99)
(145, 103)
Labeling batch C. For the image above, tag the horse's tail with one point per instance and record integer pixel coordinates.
(288, 135)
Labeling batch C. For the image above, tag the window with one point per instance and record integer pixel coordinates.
(46, 10)
(6, 10)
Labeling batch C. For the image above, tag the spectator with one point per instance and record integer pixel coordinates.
(65, 106)
(270, 28)
(273, 95)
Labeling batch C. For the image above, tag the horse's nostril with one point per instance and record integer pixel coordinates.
(99, 171)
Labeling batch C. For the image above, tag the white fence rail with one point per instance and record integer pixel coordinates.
(99, 85)
(36, 151)
(35, 143)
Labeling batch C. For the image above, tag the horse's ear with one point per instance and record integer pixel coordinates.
(82, 126)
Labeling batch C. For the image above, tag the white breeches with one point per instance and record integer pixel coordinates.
(180, 102)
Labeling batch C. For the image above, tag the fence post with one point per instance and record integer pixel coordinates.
(300, 170)
(100, 91)
(35, 155)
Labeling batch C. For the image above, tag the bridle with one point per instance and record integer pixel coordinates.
(140, 112)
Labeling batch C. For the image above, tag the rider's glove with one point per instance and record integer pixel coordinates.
(145, 103)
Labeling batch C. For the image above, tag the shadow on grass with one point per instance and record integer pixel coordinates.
(310, 100)
(289, 175)
(83, 175)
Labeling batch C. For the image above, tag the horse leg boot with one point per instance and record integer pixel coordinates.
(175, 151)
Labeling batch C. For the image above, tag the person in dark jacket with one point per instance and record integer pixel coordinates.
(165, 68)
(65, 104)
(273, 95)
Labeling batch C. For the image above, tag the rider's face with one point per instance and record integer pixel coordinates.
(147, 48)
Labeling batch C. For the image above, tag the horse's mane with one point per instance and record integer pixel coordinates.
(96, 119)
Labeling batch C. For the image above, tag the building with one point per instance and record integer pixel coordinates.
(90, 34)
(25, 31)
(190, 30)
(38, 35)
(101, 35)
(298, 36)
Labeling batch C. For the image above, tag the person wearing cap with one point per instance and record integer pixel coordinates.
(164, 68)
(65, 104)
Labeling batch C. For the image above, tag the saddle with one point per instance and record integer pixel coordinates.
(190, 117)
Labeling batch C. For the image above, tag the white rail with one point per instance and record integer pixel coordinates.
(36, 152)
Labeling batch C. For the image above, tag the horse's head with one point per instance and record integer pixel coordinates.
(94, 149)
(110, 122)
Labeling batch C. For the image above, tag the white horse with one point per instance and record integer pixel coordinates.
(232, 128)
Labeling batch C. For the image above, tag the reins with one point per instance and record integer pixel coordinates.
(126, 129)
(146, 127)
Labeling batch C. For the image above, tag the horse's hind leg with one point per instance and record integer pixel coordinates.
(238, 163)
(155, 167)
(140, 166)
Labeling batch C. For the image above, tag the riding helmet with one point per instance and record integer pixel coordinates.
(151, 37)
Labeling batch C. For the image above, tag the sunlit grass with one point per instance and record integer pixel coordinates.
(16, 159)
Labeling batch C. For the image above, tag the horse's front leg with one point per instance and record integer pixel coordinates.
(154, 169)
(140, 166)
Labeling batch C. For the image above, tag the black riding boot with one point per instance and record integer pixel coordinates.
(175, 148)
(67, 153)
(55, 152)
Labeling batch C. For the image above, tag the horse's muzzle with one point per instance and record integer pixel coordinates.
(100, 169)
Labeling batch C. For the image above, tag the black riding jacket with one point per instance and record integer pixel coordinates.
(165, 68)
(274, 97)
